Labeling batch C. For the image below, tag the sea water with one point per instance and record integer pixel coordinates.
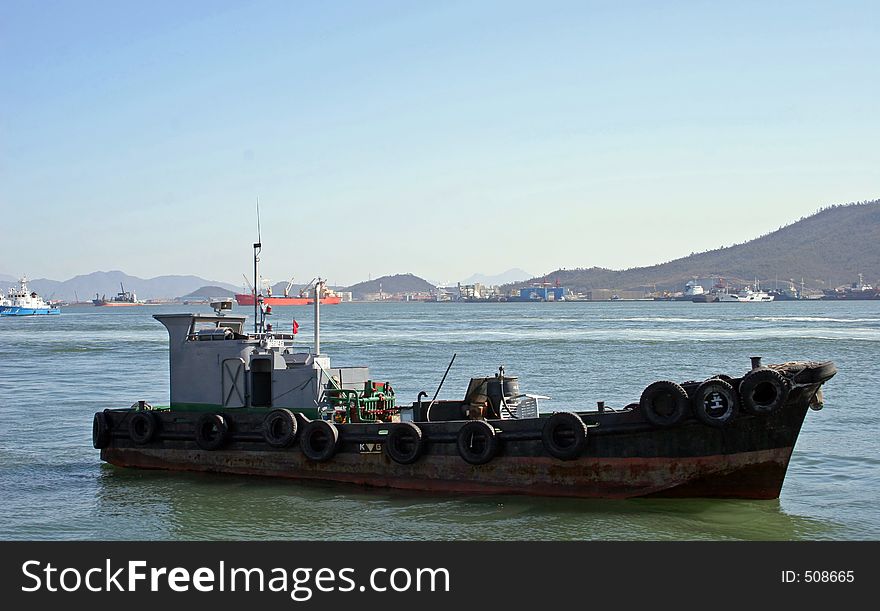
(55, 372)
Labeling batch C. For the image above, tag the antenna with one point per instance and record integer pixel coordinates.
(258, 247)
(259, 234)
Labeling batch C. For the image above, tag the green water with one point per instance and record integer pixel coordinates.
(55, 372)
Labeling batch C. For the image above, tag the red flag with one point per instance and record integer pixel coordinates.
(295, 327)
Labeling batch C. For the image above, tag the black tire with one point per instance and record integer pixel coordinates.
(100, 431)
(142, 427)
(763, 391)
(564, 435)
(664, 403)
(318, 440)
(212, 431)
(477, 442)
(721, 376)
(280, 428)
(405, 443)
(714, 402)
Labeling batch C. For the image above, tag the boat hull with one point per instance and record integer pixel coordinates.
(114, 304)
(853, 296)
(624, 456)
(745, 475)
(17, 311)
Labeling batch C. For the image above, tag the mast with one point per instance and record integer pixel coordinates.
(318, 286)
(257, 248)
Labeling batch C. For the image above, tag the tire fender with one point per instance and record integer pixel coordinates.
(142, 427)
(280, 428)
(763, 391)
(664, 403)
(405, 443)
(564, 435)
(100, 431)
(212, 431)
(715, 403)
(477, 442)
(319, 440)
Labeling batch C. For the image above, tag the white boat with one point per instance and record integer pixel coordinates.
(747, 295)
(20, 301)
(695, 292)
(692, 289)
(759, 295)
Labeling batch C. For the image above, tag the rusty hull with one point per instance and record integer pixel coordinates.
(749, 475)
(624, 457)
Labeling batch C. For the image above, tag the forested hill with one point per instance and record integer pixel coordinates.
(827, 249)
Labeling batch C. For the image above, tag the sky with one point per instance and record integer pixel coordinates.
(434, 138)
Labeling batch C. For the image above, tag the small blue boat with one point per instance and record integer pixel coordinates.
(20, 301)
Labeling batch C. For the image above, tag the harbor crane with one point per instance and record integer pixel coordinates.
(249, 285)
(287, 289)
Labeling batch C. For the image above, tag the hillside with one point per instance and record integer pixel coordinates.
(827, 249)
(399, 283)
(208, 292)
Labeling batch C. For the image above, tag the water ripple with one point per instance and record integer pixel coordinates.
(55, 373)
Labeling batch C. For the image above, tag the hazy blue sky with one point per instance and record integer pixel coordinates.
(438, 138)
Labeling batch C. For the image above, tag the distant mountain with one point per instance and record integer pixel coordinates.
(209, 292)
(512, 275)
(107, 283)
(400, 283)
(8, 278)
(827, 249)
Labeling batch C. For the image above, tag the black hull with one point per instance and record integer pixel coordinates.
(624, 455)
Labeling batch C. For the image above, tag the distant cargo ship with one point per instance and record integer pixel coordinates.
(857, 291)
(694, 292)
(247, 299)
(122, 298)
(328, 297)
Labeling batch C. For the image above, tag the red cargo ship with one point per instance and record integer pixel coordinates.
(328, 297)
(247, 299)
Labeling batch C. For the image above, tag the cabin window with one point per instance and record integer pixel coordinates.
(261, 383)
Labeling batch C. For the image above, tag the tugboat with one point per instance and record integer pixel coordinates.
(20, 301)
(251, 403)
